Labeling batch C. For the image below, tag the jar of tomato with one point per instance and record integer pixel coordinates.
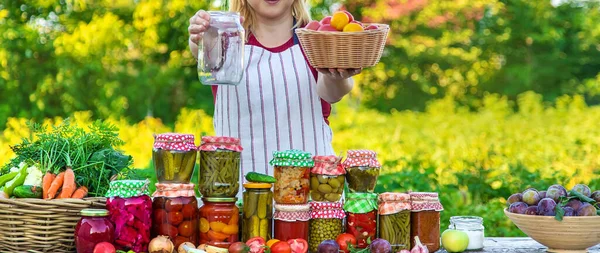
(327, 179)
(258, 211)
(292, 171)
(175, 213)
(219, 219)
(94, 227)
(326, 222)
(174, 157)
(219, 175)
(291, 221)
(362, 170)
(425, 219)
(130, 209)
(362, 217)
(394, 219)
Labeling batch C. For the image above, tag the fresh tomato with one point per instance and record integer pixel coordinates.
(271, 242)
(298, 245)
(281, 247)
(344, 239)
(256, 244)
(238, 247)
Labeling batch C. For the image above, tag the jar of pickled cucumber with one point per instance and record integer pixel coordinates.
(175, 213)
(257, 210)
(219, 175)
(292, 171)
(326, 222)
(361, 209)
(425, 219)
(327, 179)
(362, 170)
(291, 221)
(394, 219)
(174, 157)
(219, 222)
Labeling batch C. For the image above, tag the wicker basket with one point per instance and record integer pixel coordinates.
(37, 225)
(345, 50)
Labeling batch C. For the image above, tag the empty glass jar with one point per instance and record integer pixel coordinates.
(221, 50)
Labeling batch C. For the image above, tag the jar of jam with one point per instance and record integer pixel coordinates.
(327, 179)
(94, 227)
(394, 220)
(362, 170)
(362, 217)
(174, 157)
(291, 221)
(292, 171)
(219, 175)
(425, 219)
(219, 222)
(130, 210)
(175, 213)
(326, 223)
(258, 211)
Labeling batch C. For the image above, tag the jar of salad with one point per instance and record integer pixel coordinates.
(94, 227)
(362, 217)
(130, 210)
(327, 179)
(292, 171)
(291, 221)
(219, 219)
(257, 210)
(326, 222)
(394, 220)
(175, 213)
(425, 219)
(174, 157)
(362, 170)
(219, 175)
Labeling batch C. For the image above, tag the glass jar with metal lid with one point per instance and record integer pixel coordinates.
(291, 221)
(394, 219)
(94, 227)
(425, 219)
(327, 179)
(174, 157)
(175, 213)
(362, 170)
(473, 227)
(361, 220)
(326, 222)
(292, 171)
(257, 210)
(219, 167)
(219, 222)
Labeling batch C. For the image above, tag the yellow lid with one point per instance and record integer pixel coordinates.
(257, 185)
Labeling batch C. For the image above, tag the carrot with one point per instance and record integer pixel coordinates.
(56, 184)
(46, 182)
(69, 185)
(80, 193)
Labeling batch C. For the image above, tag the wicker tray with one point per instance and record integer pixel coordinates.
(343, 49)
(37, 225)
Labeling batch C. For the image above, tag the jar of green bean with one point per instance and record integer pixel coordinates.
(174, 157)
(326, 223)
(219, 167)
(362, 170)
(394, 219)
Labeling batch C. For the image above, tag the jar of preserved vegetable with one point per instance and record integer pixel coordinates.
(292, 171)
(326, 222)
(291, 221)
(394, 220)
(361, 222)
(219, 175)
(130, 210)
(327, 179)
(175, 213)
(94, 227)
(362, 170)
(425, 219)
(257, 210)
(219, 222)
(174, 157)
(473, 227)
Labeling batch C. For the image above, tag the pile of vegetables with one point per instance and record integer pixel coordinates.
(65, 161)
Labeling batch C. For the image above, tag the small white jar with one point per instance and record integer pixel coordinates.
(473, 226)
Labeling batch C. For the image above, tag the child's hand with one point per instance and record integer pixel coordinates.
(339, 74)
(198, 25)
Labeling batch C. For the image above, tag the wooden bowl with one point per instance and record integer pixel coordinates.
(573, 234)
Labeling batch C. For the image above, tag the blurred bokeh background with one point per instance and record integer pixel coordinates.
(475, 99)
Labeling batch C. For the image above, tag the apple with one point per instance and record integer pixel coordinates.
(326, 20)
(104, 247)
(349, 16)
(454, 240)
(313, 25)
(327, 28)
(372, 27)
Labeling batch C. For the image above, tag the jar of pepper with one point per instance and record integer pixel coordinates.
(326, 222)
(291, 221)
(394, 219)
(130, 210)
(327, 179)
(425, 219)
(219, 219)
(219, 175)
(362, 170)
(175, 213)
(258, 211)
(94, 227)
(362, 217)
(292, 171)
(174, 157)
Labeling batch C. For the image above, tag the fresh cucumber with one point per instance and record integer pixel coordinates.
(260, 178)
(28, 191)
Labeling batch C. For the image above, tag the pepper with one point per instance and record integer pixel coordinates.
(17, 181)
(7, 177)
